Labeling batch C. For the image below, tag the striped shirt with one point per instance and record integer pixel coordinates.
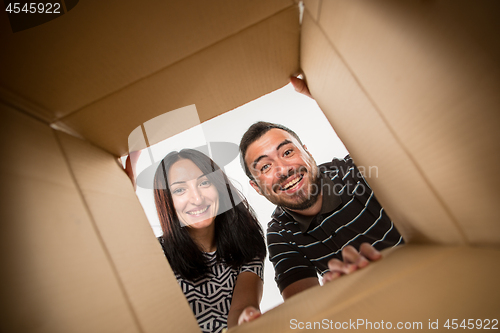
(301, 246)
(210, 298)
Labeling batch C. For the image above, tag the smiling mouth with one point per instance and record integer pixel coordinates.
(198, 212)
(291, 184)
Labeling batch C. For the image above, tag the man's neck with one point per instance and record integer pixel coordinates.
(313, 210)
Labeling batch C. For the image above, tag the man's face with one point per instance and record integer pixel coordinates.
(283, 171)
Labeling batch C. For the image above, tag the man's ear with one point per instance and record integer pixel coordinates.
(255, 186)
(305, 148)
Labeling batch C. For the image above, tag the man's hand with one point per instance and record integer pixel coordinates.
(353, 260)
(300, 86)
(248, 314)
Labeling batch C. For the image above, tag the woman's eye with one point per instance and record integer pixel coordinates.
(178, 190)
(205, 183)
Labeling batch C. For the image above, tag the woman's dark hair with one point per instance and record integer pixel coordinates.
(238, 235)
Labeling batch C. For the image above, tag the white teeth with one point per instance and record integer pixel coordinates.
(292, 183)
(198, 212)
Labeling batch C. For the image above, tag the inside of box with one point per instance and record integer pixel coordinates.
(410, 87)
(284, 106)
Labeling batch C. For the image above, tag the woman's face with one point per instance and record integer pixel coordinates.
(195, 198)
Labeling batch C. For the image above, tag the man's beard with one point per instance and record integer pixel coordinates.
(305, 200)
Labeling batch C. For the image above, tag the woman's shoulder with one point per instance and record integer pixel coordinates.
(255, 266)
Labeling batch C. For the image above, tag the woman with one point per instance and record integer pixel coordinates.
(211, 239)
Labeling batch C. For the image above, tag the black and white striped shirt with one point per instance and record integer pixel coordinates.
(301, 246)
(210, 298)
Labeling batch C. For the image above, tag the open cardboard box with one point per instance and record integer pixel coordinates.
(410, 86)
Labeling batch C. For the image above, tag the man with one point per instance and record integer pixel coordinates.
(323, 214)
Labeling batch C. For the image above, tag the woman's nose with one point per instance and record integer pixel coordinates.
(196, 197)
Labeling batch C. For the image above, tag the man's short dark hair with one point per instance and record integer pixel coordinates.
(253, 133)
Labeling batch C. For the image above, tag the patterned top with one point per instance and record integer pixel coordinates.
(301, 246)
(210, 298)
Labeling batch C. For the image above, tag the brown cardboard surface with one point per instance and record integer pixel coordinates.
(56, 275)
(414, 283)
(141, 266)
(411, 88)
(230, 73)
(432, 70)
(400, 186)
(314, 8)
(99, 48)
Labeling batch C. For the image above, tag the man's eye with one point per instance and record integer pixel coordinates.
(264, 167)
(288, 152)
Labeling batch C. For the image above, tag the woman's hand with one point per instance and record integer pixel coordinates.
(248, 314)
(130, 164)
(246, 299)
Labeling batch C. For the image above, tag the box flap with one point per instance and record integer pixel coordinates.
(57, 275)
(83, 68)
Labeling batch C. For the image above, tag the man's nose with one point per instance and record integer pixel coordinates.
(282, 170)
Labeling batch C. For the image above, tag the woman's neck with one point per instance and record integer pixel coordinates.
(204, 238)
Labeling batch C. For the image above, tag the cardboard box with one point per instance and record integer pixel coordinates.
(411, 87)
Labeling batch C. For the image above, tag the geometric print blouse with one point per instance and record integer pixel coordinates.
(210, 298)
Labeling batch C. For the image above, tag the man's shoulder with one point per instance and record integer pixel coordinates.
(276, 218)
(278, 214)
(279, 220)
(337, 165)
